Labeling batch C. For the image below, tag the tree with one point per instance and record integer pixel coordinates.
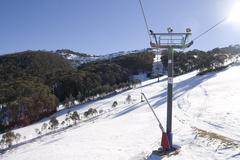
(71, 100)
(75, 117)
(129, 99)
(32, 101)
(114, 104)
(90, 111)
(68, 118)
(100, 111)
(18, 137)
(8, 138)
(44, 126)
(53, 123)
(63, 123)
(79, 96)
(38, 131)
(2, 143)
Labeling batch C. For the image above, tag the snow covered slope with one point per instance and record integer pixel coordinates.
(77, 59)
(205, 124)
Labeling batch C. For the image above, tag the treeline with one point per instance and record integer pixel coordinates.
(24, 95)
(84, 84)
(24, 101)
(33, 83)
(136, 63)
(185, 62)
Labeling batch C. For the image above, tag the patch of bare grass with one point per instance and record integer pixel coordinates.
(211, 136)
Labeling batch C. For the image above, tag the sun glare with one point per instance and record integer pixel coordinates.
(235, 14)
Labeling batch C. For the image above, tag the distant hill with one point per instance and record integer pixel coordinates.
(77, 59)
(33, 63)
(67, 53)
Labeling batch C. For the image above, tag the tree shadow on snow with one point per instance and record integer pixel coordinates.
(149, 84)
(35, 139)
(180, 88)
(81, 106)
(129, 109)
(152, 157)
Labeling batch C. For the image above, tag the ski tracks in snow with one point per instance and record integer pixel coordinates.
(190, 117)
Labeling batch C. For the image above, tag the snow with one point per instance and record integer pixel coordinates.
(77, 60)
(140, 77)
(206, 116)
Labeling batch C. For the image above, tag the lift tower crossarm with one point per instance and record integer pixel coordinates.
(174, 40)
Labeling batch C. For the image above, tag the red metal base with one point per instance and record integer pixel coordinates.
(165, 142)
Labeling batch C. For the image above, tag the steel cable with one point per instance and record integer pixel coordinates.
(145, 20)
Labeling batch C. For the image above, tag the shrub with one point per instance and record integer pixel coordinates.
(44, 126)
(129, 99)
(90, 111)
(38, 131)
(53, 123)
(86, 114)
(8, 138)
(2, 143)
(114, 104)
(75, 117)
(18, 137)
(212, 70)
(68, 118)
(63, 123)
(100, 111)
(69, 101)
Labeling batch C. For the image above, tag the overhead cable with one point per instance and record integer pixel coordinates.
(145, 20)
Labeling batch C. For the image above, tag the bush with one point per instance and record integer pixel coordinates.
(100, 111)
(53, 123)
(69, 101)
(90, 111)
(9, 137)
(68, 118)
(38, 131)
(75, 117)
(2, 143)
(134, 83)
(129, 99)
(44, 126)
(212, 70)
(63, 123)
(18, 137)
(114, 104)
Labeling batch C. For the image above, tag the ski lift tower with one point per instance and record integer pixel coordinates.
(170, 41)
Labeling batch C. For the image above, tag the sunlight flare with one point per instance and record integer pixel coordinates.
(235, 14)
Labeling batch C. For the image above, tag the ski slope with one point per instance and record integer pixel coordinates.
(206, 117)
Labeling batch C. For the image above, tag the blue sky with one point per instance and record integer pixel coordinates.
(105, 26)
